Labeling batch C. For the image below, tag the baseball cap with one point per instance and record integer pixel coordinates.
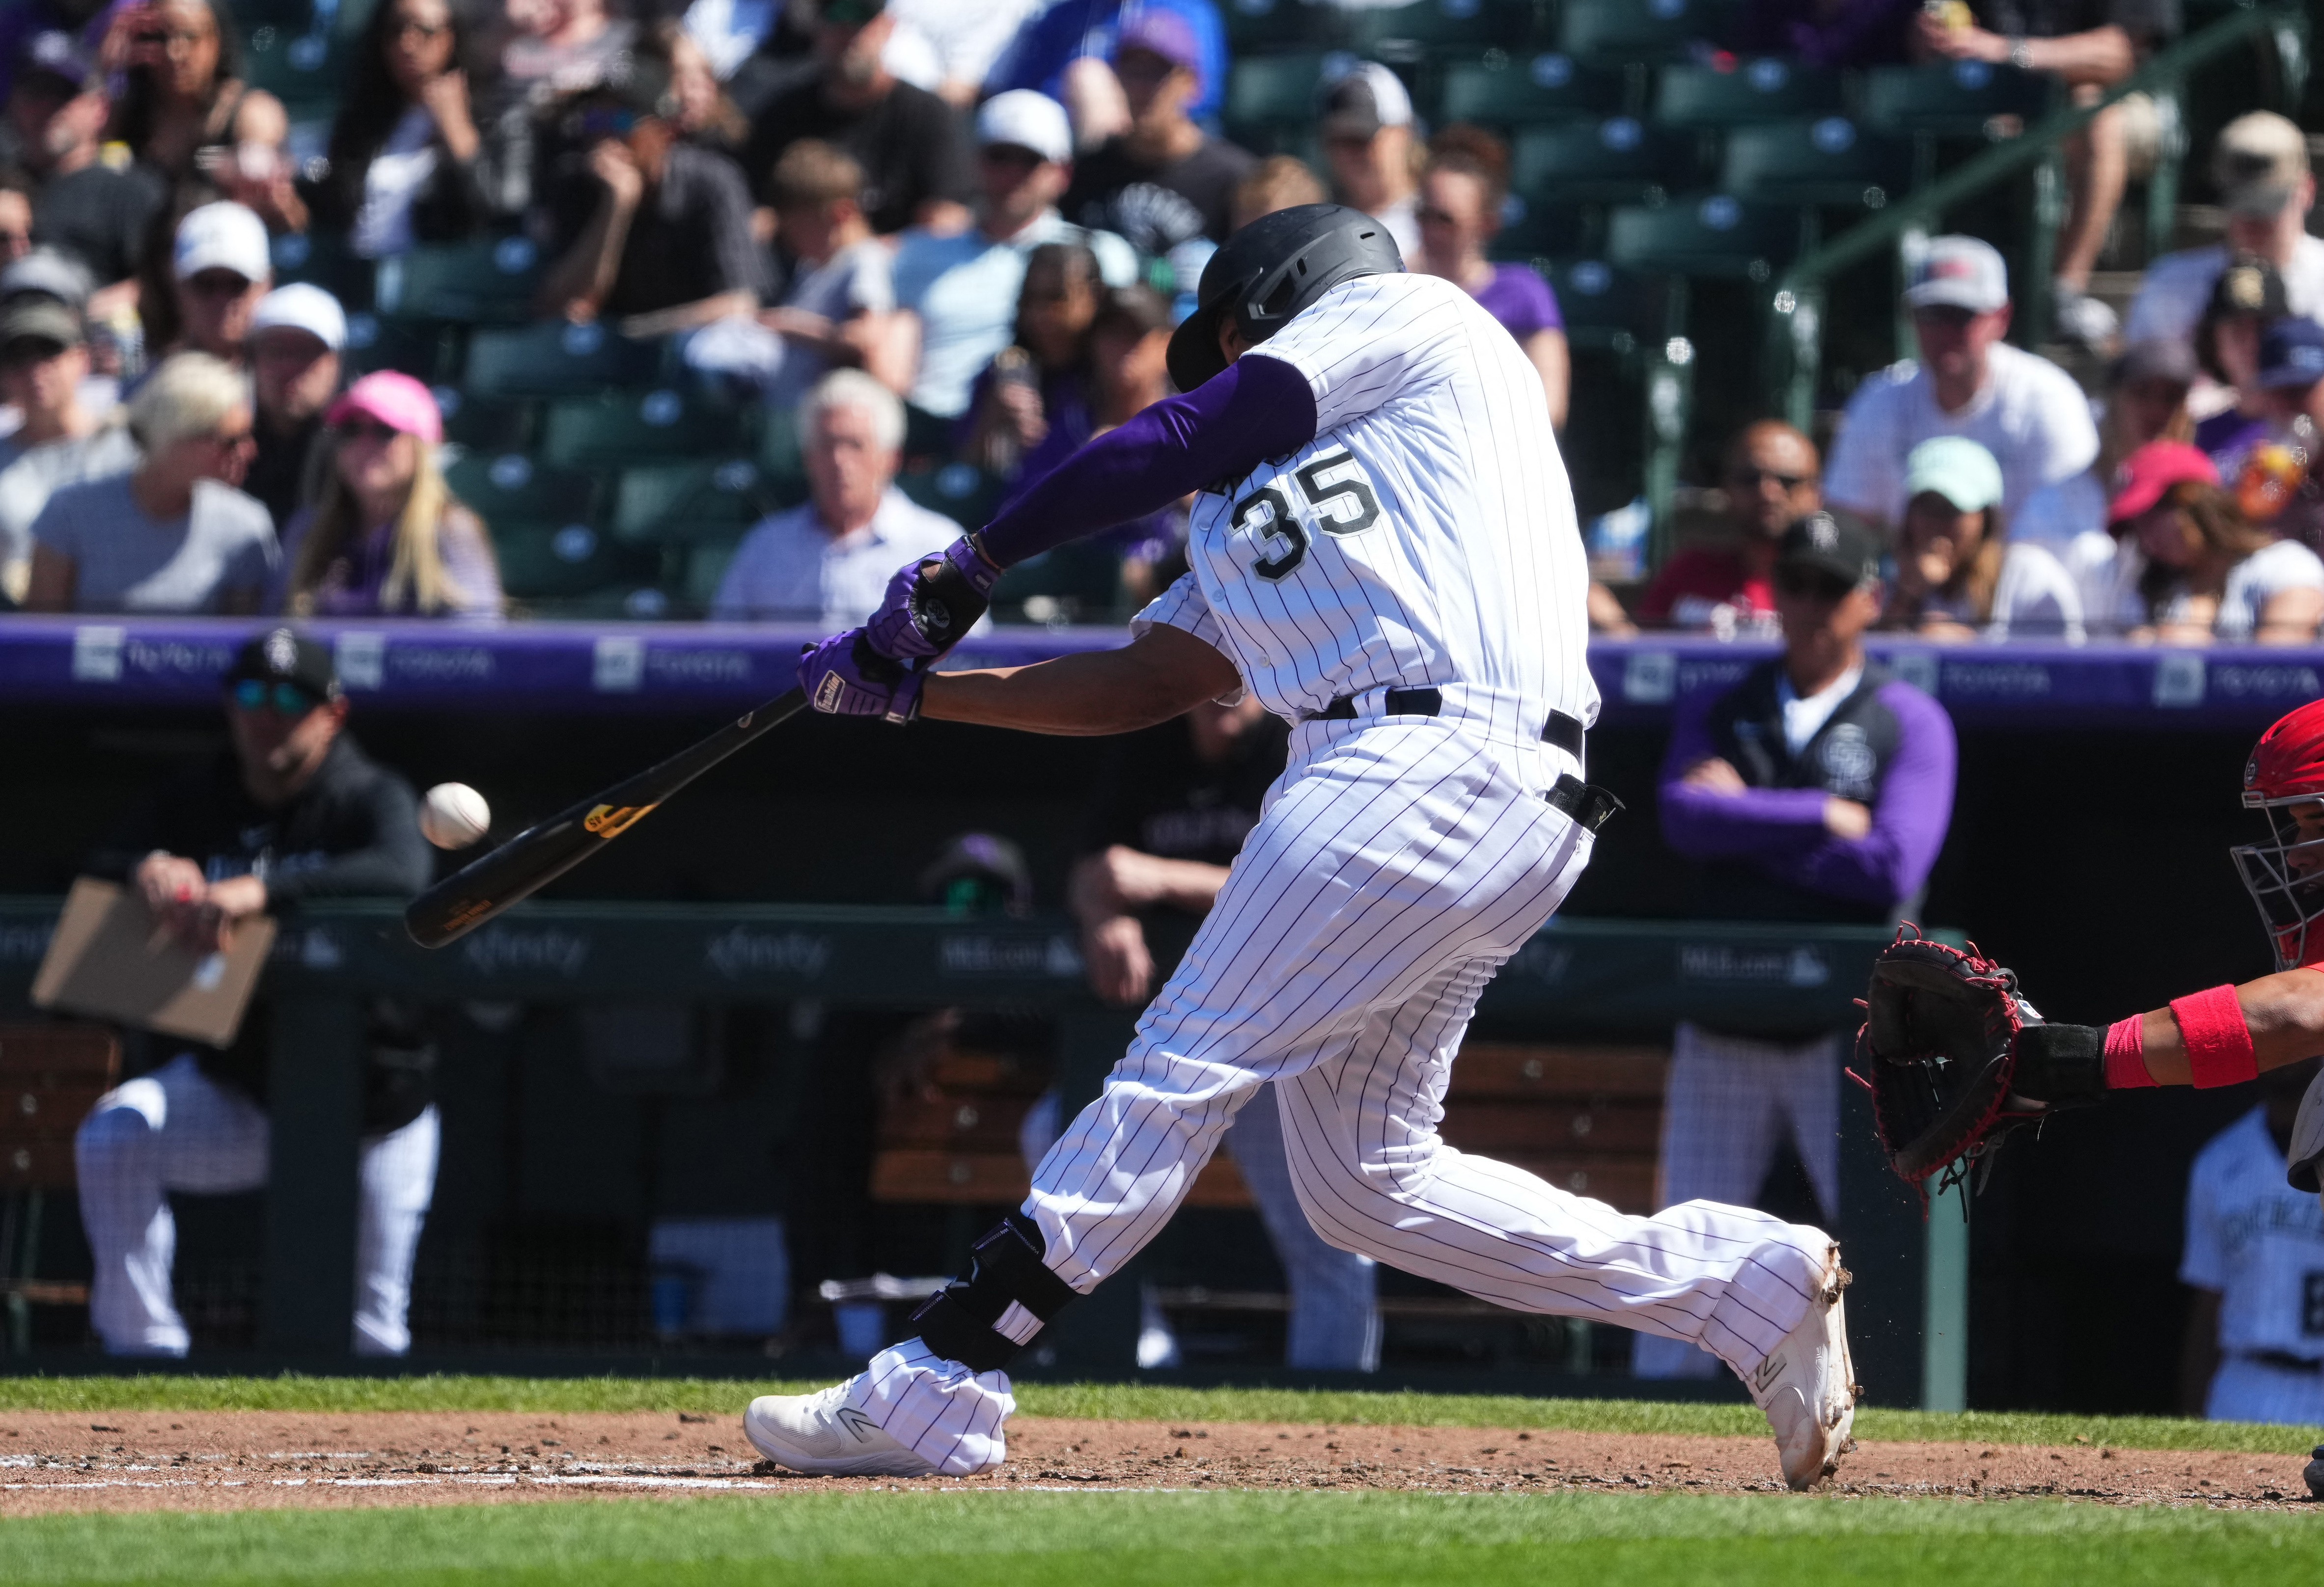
(2162, 359)
(1028, 120)
(1959, 272)
(2154, 469)
(1163, 33)
(221, 236)
(56, 53)
(1956, 468)
(978, 872)
(396, 399)
(1366, 98)
(2248, 284)
(50, 274)
(303, 306)
(1832, 541)
(285, 655)
(41, 320)
(2290, 353)
(2257, 163)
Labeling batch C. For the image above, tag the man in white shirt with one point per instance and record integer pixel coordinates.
(1367, 131)
(828, 561)
(2260, 166)
(956, 294)
(1968, 382)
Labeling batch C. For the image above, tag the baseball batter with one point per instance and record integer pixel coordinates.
(1383, 549)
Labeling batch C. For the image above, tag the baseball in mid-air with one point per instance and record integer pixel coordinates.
(453, 816)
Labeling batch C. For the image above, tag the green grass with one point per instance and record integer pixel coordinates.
(1018, 1539)
(1128, 1402)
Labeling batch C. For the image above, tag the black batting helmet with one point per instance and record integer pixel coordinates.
(1272, 269)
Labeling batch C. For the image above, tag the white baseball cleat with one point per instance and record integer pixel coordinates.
(823, 1436)
(1807, 1386)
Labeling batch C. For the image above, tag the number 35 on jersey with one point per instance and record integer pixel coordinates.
(1271, 525)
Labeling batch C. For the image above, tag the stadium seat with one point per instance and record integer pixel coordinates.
(1712, 234)
(962, 494)
(482, 425)
(1263, 24)
(548, 558)
(1615, 160)
(1956, 101)
(1080, 582)
(1767, 89)
(704, 499)
(1532, 230)
(510, 487)
(1269, 93)
(1614, 32)
(1549, 88)
(423, 351)
(489, 282)
(558, 358)
(635, 427)
(304, 70)
(322, 259)
(1406, 32)
(1610, 309)
(696, 584)
(1827, 161)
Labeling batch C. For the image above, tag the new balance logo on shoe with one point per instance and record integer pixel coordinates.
(858, 1424)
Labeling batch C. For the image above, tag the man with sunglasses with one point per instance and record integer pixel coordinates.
(1771, 480)
(1817, 789)
(294, 810)
(1968, 382)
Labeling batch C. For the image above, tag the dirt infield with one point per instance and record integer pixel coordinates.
(52, 1462)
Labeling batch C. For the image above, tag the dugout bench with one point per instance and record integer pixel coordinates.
(1583, 980)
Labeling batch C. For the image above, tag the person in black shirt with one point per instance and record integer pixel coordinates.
(294, 811)
(1169, 818)
(1165, 180)
(911, 145)
(96, 209)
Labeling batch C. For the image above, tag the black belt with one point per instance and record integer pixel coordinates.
(1563, 730)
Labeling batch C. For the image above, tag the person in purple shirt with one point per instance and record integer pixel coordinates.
(1817, 789)
(1461, 193)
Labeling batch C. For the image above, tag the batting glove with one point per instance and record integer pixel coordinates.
(932, 603)
(844, 676)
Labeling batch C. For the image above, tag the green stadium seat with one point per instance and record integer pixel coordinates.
(1827, 161)
(303, 69)
(704, 499)
(1956, 101)
(482, 424)
(962, 494)
(511, 487)
(1610, 309)
(423, 351)
(1269, 92)
(619, 428)
(1767, 89)
(1536, 230)
(1406, 32)
(1619, 31)
(1712, 234)
(252, 17)
(558, 358)
(489, 282)
(546, 559)
(1620, 159)
(1500, 92)
(322, 259)
(698, 582)
(1262, 25)
(1080, 582)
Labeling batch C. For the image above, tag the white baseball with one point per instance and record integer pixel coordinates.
(453, 816)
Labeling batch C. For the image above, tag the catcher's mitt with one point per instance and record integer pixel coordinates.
(1941, 1053)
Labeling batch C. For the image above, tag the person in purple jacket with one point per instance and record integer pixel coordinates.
(1817, 789)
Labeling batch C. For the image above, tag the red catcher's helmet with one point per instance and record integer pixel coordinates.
(2285, 875)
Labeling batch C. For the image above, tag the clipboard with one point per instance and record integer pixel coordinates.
(111, 958)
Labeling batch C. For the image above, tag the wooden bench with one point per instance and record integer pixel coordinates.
(51, 1076)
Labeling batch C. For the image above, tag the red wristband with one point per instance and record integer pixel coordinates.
(2219, 1043)
(2125, 1055)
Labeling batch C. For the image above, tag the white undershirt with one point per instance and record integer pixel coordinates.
(404, 165)
(1805, 718)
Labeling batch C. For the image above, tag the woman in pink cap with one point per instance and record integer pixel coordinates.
(387, 537)
(2194, 570)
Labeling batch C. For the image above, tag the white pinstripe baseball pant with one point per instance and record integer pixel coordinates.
(1397, 866)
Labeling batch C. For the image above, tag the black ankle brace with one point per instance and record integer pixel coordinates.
(1009, 1296)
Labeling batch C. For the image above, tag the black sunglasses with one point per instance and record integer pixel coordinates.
(285, 699)
(1751, 478)
(367, 429)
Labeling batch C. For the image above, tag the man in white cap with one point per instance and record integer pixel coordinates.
(2260, 167)
(1968, 382)
(1368, 141)
(296, 337)
(220, 267)
(956, 295)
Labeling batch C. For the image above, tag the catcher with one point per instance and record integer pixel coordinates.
(1955, 1058)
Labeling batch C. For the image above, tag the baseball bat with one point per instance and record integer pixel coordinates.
(547, 850)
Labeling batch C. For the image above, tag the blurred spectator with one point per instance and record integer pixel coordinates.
(907, 141)
(2247, 297)
(1817, 789)
(957, 294)
(43, 362)
(16, 215)
(2145, 400)
(1043, 374)
(185, 111)
(1957, 578)
(1368, 141)
(2259, 165)
(1279, 182)
(408, 164)
(698, 105)
(294, 810)
(2268, 458)
(2087, 45)
(1074, 33)
(841, 295)
(2194, 570)
(174, 535)
(1827, 32)
(646, 228)
(96, 208)
(963, 39)
(219, 269)
(2255, 1340)
(1769, 482)
(829, 560)
(1165, 180)
(1169, 813)
(2022, 408)
(550, 49)
(1460, 196)
(385, 536)
(297, 334)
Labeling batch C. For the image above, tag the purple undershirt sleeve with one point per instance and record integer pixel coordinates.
(1706, 826)
(1258, 408)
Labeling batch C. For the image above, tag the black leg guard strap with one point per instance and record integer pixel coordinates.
(1009, 1295)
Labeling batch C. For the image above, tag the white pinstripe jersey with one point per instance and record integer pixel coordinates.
(1424, 537)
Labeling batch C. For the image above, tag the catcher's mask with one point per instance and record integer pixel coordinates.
(2285, 875)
